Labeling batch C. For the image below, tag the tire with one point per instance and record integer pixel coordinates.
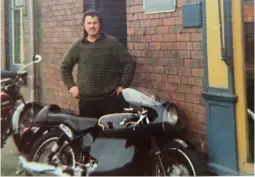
(17, 137)
(193, 164)
(51, 136)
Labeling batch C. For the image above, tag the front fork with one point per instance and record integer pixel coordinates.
(157, 152)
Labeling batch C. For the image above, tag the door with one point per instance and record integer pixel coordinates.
(114, 18)
(243, 38)
(16, 34)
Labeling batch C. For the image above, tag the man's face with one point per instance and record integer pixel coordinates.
(92, 25)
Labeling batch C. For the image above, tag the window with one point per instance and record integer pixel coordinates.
(17, 31)
(159, 6)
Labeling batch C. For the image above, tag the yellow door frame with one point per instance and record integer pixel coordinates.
(240, 86)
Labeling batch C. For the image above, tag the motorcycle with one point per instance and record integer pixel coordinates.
(137, 142)
(14, 114)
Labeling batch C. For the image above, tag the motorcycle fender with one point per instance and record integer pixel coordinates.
(68, 132)
(30, 136)
(181, 142)
(17, 113)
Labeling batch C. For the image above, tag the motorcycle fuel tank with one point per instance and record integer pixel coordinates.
(6, 103)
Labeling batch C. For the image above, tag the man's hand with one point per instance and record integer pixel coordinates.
(117, 91)
(75, 91)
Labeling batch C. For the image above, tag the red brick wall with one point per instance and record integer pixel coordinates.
(169, 59)
(60, 26)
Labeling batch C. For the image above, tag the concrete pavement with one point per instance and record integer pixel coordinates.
(9, 157)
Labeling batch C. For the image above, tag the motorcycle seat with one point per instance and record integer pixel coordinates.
(77, 123)
(8, 74)
(13, 74)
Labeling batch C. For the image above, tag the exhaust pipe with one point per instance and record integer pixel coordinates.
(38, 168)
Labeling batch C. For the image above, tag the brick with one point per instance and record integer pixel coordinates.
(134, 24)
(197, 72)
(155, 77)
(196, 37)
(133, 16)
(170, 54)
(158, 69)
(154, 46)
(170, 37)
(198, 55)
(197, 90)
(197, 45)
(134, 9)
(171, 78)
(174, 62)
(145, 23)
(185, 88)
(157, 38)
(166, 45)
(178, 29)
(169, 21)
(171, 70)
(180, 3)
(198, 81)
(181, 45)
(157, 85)
(146, 38)
(191, 98)
(184, 71)
(147, 68)
(141, 46)
(183, 79)
(183, 37)
(178, 20)
(156, 22)
(162, 30)
(130, 31)
(183, 54)
(164, 78)
(191, 63)
(171, 87)
(136, 53)
(151, 30)
(140, 16)
(177, 96)
(134, 2)
(200, 63)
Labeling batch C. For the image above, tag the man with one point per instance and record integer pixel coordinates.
(105, 68)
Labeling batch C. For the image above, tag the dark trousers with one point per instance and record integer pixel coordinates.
(98, 108)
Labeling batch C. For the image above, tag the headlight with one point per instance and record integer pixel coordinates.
(173, 113)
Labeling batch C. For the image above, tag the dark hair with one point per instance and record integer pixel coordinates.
(92, 13)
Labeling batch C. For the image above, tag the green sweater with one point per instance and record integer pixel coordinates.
(103, 66)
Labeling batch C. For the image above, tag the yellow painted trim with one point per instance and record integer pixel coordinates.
(240, 86)
(217, 69)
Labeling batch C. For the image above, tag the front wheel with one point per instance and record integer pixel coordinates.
(176, 161)
(42, 147)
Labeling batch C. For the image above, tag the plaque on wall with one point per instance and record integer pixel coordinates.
(159, 6)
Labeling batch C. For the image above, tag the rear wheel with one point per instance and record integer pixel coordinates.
(178, 161)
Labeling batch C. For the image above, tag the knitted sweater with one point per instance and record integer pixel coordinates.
(103, 66)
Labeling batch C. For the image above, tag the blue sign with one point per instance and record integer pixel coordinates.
(159, 6)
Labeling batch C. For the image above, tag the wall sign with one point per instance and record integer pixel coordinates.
(159, 6)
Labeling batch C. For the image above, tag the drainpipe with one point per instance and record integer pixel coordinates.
(32, 45)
